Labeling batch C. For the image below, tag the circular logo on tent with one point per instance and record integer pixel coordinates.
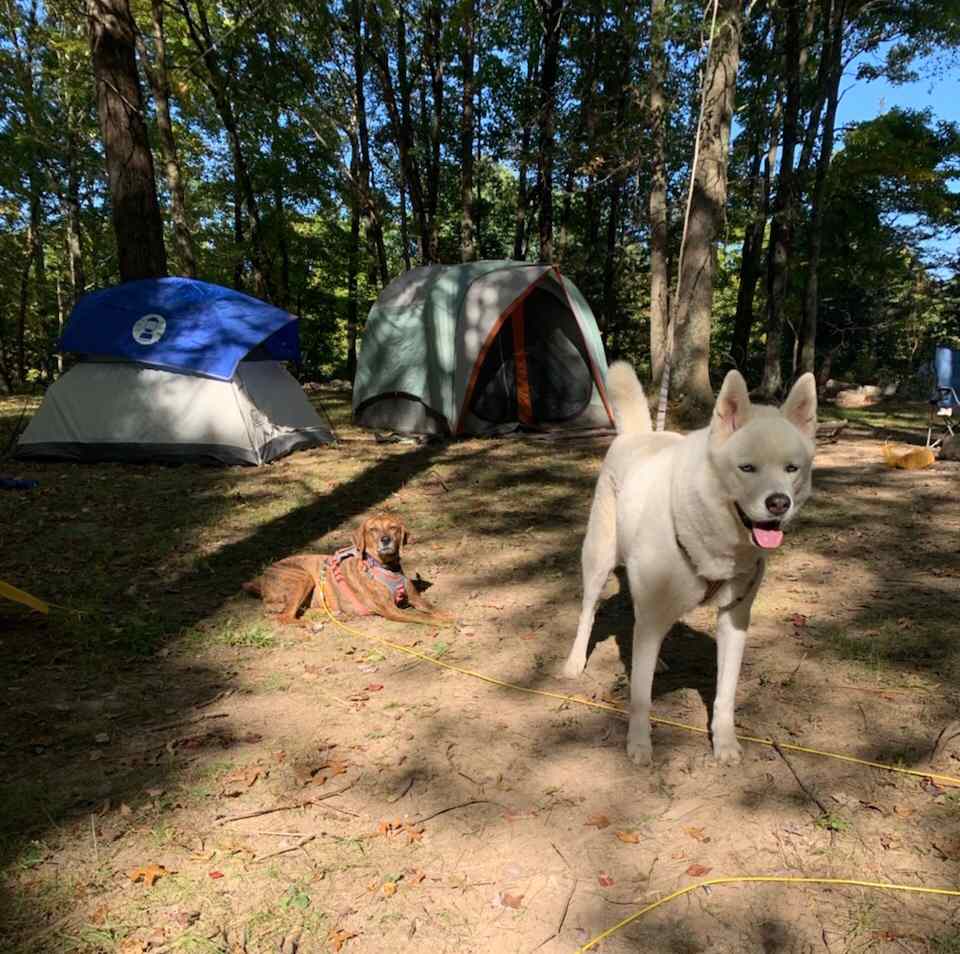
(149, 329)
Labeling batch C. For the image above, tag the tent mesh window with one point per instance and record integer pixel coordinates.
(553, 365)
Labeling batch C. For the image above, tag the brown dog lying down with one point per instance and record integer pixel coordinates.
(364, 579)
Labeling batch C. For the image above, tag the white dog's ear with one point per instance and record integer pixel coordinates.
(800, 407)
(733, 407)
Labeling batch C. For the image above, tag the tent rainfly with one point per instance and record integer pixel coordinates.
(173, 369)
(480, 347)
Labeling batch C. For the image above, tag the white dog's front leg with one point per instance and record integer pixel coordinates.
(646, 648)
(732, 625)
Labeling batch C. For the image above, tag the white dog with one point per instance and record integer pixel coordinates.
(691, 518)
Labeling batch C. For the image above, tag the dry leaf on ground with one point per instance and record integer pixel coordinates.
(148, 874)
(605, 880)
(698, 871)
(629, 837)
(338, 938)
(697, 833)
(598, 821)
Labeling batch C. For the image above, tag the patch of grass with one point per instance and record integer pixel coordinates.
(945, 944)
(833, 823)
(236, 633)
(890, 642)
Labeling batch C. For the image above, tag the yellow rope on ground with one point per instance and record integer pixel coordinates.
(607, 707)
(737, 879)
(763, 879)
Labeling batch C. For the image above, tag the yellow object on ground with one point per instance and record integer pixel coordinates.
(21, 596)
(915, 459)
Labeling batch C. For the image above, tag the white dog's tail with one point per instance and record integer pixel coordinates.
(630, 411)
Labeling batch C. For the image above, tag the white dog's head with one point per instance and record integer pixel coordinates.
(763, 456)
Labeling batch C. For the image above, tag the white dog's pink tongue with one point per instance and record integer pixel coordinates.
(768, 539)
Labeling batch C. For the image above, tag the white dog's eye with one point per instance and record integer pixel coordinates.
(791, 468)
(747, 468)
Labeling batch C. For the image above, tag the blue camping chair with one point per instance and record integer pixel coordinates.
(944, 403)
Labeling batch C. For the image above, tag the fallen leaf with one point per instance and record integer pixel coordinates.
(903, 811)
(132, 945)
(605, 880)
(597, 821)
(697, 834)
(629, 837)
(148, 874)
(799, 620)
(215, 874)
(504, 900)
(413, 875)
(238, 782)
(338, 938)
(389, 889)
(374, 687)
(698, 871)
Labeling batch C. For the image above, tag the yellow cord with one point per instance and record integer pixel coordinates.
(742, 879)
(607, 707)
(763, 879)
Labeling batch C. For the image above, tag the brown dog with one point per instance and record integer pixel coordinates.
(364, 579)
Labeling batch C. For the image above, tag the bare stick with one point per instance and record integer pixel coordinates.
(176, 725)
(806, 791)
(283, 851)
(452, 808)
(303, 804)
(406, 789)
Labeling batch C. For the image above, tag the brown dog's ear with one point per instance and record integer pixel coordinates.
(359, 538)
(404, 534)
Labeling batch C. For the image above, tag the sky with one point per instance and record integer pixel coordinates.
(938, 89)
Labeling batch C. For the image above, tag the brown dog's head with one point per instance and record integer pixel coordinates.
(382, 537)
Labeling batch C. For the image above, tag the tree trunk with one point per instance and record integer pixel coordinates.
(353, 263)
(71, 201)
(217, 83)
(834, 14)
(240, 265)
(404, 233)
(374, 227)
(608, 327)
(468, 243)
(695, 291)
(396, 99)
(433, 53)
(134, 208)
(276, 149)
(784, 210)
(551, 12)
(659, 277)
(523, 192)
(158, 76)
(29, 263)
(750, 259)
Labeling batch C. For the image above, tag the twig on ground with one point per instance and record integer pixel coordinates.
(806, 791)
(93, 831)
(406, 789)
(182, 722)
(283, 851)
(452, 808)
(290, 807)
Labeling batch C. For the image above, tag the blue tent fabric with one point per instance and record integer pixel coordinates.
(946, 365)
(180, 324)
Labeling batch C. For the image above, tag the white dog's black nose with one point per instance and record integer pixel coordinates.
(778, 504)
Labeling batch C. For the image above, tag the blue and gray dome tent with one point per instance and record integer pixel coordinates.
(476, 348)
(175, 369)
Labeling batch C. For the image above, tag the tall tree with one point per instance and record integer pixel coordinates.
(134, 207)
(659, 277)
(468, 237)
(551, 12)
(691, 357)
(785, 202)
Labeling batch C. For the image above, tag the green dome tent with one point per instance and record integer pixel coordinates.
(471, 349)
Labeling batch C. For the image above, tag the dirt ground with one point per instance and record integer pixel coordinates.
(179, 774)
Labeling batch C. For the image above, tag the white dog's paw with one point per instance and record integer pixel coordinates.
(573, 667)
(639, 750)
(727, 751)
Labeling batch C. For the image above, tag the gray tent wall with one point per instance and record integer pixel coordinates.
(120, 411)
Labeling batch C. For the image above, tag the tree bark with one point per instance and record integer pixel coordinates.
(374, 227)
(158, 77)
(695, 298)
(353, 263)
(551, 11)
(134, 207)
(468, 240)
(523, 197)
(834, 14)
(659, 277)
(217, 82)
(784, 209)
(433, 53)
